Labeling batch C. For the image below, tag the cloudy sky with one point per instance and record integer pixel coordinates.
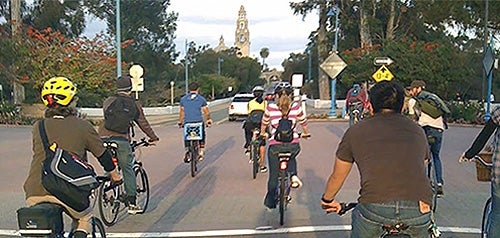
(271, 24)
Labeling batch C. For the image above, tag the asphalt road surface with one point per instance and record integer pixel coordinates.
(223, 200)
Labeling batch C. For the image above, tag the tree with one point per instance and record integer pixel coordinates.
(264, 53)
(67, 17)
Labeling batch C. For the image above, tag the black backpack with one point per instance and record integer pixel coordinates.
(119, 115)
(284, 130)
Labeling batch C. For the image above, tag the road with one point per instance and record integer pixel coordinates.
(224, 200)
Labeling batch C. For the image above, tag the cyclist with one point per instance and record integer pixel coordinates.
(192, 106)
(491, 126)
(256, 108)
(69, 133)
(357, 98)
(272, 115)
(122, 138)
(433, 125)
(394, 185)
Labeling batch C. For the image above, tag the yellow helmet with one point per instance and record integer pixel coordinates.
(58, 90)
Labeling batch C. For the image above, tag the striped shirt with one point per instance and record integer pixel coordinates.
(495, 173)
(272, 116)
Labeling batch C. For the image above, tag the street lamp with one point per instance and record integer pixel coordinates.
(118, 41)
(186, 66)
(334, 12)
(309, 62)
(172, 92)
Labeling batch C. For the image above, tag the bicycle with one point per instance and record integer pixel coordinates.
(112, 195)
(283, 197)
(485, 176)
(193, 132)
(355, 112)
(255, 152)
(391, 230)
(57, 228)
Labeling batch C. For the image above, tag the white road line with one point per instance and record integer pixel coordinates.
(257, 231)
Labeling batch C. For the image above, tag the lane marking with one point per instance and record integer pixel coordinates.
(257, 231)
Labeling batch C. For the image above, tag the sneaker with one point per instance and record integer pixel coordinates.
(134, 209)
(200, 155)
(263, 169)
(439, 190)
(247, 151)
(187, 158)
(296, 183)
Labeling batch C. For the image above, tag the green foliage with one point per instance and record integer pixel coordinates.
(9, 114)
(470, 112)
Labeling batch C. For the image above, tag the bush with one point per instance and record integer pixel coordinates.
(469, 112)
(9, 114)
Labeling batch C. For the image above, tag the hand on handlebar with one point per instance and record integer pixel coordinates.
(333, 206)
(115, 176)
(153, 141)
(209, 122)
(179, 123)
(463, 159)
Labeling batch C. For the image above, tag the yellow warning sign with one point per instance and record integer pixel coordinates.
(382, 74)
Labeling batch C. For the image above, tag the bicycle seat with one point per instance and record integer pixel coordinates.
(284, 155)
(395, 229)
(110, 145)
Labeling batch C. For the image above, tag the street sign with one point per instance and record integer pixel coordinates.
(488, 60)
(382, 74)
(333, 65)
(378, 61)
(136, 71)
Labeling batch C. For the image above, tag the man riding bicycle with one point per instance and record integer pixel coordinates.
(112, 107)
(394, 185)
(71, 134)
(357, 99)
(256, 108)
(192, 106)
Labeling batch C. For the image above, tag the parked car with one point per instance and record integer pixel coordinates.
(238, 107)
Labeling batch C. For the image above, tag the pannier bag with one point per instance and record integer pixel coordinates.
(41, 220)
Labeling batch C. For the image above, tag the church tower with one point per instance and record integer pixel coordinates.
(242, 35)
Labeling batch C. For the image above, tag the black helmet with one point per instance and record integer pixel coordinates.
(283, 87)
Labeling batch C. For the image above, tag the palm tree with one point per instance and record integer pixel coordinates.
(264, 53)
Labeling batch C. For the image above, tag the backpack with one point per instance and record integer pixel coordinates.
(65, 176)
(284, 130)
(119, 115)
(431, 104)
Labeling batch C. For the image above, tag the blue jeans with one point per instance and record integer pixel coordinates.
(273, 160)
(494, 227)
(368, 219)
(435, 147)
(126, 163)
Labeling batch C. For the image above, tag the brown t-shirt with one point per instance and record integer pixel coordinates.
(71, 134)
(389, 151)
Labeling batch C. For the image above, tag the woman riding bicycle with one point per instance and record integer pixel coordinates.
(69, 133)
(256, 108)
(491, 126)
(272, 115)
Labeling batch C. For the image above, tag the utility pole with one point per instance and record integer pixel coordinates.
(118, 41)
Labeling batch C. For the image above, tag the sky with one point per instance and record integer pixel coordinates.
(271, 24)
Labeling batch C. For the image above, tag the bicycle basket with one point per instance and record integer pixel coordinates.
(484, 173)
(193, 131)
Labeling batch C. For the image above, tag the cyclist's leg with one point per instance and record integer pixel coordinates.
(262, 153)
(126, 163)
(81, 220)
(272, 182)
(292, 163)
(201, 152)
(248, 134)
(436, 150)
(494, 225)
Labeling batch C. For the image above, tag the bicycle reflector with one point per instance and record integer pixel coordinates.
(283, 165)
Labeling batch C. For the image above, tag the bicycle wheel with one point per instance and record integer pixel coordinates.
(193, 150)
(142, 187)
(254, 154)
(97, 228)
(486, 218)
(109, 203)
(432, 179)
(282, 196)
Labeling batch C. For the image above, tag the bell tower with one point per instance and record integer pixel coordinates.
(242, 35)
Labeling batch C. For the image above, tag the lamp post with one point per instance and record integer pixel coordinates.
(309, 63)
(186, 66)
(118, 41)
(172, 92)
(334, 12)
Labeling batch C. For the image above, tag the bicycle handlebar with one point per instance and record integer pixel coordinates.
(345, 207)
(481, 160)
(143, 142)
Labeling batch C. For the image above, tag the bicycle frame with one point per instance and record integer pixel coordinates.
(254, 152)
(485, 222)
(283, 188)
